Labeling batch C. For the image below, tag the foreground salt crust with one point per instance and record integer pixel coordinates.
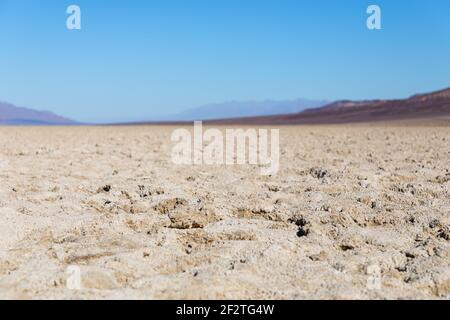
(354, 212)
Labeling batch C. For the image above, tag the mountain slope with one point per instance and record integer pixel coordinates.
(435, 104)
(239, 109)
(13, 115)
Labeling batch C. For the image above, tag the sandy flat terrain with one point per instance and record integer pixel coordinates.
(354, 212)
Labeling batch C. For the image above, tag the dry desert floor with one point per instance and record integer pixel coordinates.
(354, 212)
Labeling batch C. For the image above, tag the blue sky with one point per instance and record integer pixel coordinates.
(137, 59)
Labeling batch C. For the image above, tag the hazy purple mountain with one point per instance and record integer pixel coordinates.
(13, 115)
(434, 105)
(236, 109)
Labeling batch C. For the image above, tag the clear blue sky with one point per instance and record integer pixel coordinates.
(135, 59)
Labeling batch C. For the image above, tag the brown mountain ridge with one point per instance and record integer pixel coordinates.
(422, 106)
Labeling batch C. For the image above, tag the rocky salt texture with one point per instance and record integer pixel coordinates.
(354, 212)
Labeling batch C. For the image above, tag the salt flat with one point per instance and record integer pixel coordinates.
(354, 212)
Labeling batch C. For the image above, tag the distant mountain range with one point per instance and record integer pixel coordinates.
(430, 105)
(240, 109)
(13, 115)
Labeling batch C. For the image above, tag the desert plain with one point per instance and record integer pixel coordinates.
(354, 212)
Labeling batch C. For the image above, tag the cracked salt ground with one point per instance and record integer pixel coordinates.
(345, 217)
